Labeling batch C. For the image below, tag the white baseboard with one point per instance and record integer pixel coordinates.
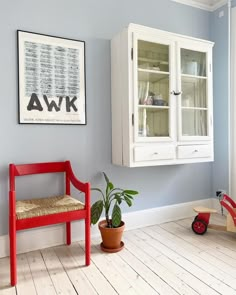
(44, 237)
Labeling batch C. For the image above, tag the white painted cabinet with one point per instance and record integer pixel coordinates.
(161, 98)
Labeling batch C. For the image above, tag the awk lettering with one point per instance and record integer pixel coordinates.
(34, 104)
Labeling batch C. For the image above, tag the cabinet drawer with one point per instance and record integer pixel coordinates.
(194, 151)
(144, 153)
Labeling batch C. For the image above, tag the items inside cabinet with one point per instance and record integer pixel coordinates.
(194, 106)
(153, 121)
(153, 56)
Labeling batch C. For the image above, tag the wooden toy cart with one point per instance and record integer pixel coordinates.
(201, 221)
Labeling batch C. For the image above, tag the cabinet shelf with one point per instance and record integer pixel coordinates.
(193, 76)
(194, 108)
(159, 62)
(153, 107)
(152, 75)
(152, 71)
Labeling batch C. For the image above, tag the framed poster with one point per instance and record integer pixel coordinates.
(51, 79)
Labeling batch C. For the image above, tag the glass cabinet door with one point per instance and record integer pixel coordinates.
(153, 88)
(194, 98)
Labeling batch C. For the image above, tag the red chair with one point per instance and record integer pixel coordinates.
(24, 214)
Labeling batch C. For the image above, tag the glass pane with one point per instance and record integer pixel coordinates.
(153, 56)
(194, 122)
(153, 88)
(153, 122)
(194, 92)
(193, 62)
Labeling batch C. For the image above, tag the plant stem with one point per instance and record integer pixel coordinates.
(108, 220)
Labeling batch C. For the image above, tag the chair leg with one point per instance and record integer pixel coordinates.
(68, 233)
(12, 236)
(87, 241)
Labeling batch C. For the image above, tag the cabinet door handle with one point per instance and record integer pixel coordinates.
(176, 93)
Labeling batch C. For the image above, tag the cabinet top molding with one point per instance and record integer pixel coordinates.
(209, 5)
(154, 31)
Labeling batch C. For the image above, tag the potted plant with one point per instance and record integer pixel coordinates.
(112, 227)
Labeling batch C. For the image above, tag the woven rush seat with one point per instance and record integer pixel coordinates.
(45, 206)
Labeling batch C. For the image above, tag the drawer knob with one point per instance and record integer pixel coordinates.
(156, 153)
(195, 151)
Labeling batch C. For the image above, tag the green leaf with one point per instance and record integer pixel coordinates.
(128, 201)
(110, 185)
(97, 189)
(128, 196)
(106, 178)
(118, 198)
(116, 216)
(130, 192)
(96, 211)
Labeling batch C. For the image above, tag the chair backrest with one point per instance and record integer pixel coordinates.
(49, 167)
(35, 168)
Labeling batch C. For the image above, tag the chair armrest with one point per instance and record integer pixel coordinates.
(82, 186)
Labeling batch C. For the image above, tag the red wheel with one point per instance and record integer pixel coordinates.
(199, 227)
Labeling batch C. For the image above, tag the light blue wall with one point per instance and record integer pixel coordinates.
(219, 34)
(89, 147)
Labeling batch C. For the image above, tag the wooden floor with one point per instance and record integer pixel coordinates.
(163, 259)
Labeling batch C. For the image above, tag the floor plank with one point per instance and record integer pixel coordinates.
(41, 278)
(208, 251)
(60, 280)
(149, 257)
(187, 259)
(25, 283)
(222, 249)
(94, 276)
(5, 287)
(203, 259)
(74, 271)
(174, 262)
(166, 259)
(120, 274)
(135, 275)
(146, 273)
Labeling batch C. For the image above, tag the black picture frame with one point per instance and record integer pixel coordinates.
(51, 79)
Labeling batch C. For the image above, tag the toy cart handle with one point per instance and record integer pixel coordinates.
(229, 205)
(229, 200)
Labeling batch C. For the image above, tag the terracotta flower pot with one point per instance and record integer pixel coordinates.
(111, 237)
